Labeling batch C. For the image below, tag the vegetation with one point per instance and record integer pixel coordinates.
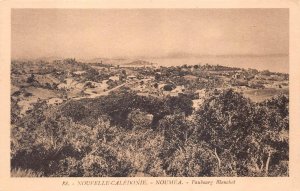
(72, 119)
(112, 136)
(25, 173)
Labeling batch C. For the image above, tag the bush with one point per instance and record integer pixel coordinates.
(193, 161)
(139, 120)
(25, 173)
(103, 162)
(169, 87)
(142, 148)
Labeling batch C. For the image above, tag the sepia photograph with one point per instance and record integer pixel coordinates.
(156, 92)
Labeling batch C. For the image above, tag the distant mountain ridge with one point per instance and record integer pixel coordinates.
(113, 61)
(120, 61)
(139, 63)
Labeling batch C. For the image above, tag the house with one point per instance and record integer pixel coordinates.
(131, 77)
(79, 73)
(190, 77)
(114, 78)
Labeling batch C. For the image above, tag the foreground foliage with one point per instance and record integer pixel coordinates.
(130, 135)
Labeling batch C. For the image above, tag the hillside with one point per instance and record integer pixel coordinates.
(77, 119)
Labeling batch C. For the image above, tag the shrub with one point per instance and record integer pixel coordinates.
(193, 161)
(138, 119)
(103, 161)
(25, 173)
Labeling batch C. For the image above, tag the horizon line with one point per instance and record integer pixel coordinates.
(181, 55)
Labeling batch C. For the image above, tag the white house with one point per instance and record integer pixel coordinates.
(114, 78)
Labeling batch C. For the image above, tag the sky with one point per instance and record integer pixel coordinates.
(94, 33)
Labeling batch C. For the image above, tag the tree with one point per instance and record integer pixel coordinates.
(176, 131)
(275, 139)
(169, 87)
(224, 121)
(75, 110)
(179, 104)
(196, 66)
(247, 139)
(31, 79)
